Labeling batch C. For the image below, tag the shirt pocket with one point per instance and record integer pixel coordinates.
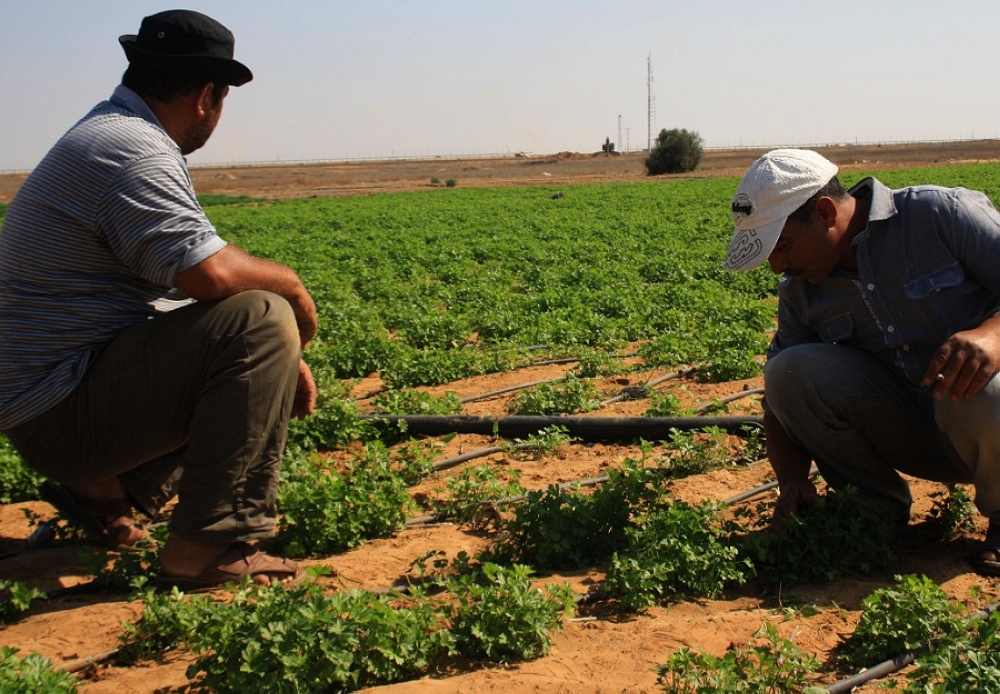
(836, 328)
(946, 301)
(945, 278)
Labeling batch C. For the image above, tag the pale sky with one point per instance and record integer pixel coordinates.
(348, 79)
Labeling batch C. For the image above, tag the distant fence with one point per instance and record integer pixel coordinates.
(531, 155)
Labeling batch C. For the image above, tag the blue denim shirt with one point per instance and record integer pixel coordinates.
(928, 267)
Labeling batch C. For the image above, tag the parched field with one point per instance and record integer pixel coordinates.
(431, 296)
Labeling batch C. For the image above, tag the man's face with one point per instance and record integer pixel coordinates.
(805, 251)
(203, 129)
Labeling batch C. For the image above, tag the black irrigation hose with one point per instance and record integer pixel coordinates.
(887, 667)
(581, 428)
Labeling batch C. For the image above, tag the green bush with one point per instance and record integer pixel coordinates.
(675, 151)
(326, 512)
(564, 528)
(768, 665)
(500, 616)
(897, 619)
(841, 533)
(32, 674)
(15, 598)
(18, 482)
(566, 396)
(677, 551)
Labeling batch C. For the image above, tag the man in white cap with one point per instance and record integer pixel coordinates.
(888, 338)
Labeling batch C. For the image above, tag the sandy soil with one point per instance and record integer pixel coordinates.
(599, 652)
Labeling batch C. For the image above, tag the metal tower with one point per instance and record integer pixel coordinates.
(651, 112)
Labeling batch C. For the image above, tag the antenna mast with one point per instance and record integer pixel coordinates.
(651, 110)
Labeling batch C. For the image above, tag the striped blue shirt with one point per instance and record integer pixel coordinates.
(92, 243)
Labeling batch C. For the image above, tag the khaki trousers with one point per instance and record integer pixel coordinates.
(862, 422)
(194, 401)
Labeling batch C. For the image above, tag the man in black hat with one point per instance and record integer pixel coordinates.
(142, 355)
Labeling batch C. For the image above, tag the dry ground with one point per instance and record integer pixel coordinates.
(603, 652)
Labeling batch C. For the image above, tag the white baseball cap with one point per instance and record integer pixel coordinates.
(775, 185)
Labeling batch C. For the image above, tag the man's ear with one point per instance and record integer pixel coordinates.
(827, 210)
(204, 103)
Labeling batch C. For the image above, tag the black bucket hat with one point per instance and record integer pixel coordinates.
(184, 42)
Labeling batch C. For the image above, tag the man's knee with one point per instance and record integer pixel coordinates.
(266, 314)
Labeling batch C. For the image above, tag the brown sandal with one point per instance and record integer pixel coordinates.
(239, 561)
(108, 522)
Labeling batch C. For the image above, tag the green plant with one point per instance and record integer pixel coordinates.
(277, 639)
(673, 552)
(500, 616)
(675, 151)
(16, 598)
(32, 674)
(416, 402)
(451, 182)
(564, 528)
(561, 397)
(470, 488)
(663, 405)
(952, 513)
(769, 665)
(119, 571)
(414, 460)
(541, 443)
(18, 482)
(897, 619)
(841, 533)
(596, 362)
(968, 663)
(692, 452)
(324, 511)
(336, 422)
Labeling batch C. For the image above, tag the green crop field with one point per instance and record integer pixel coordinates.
(431, 287)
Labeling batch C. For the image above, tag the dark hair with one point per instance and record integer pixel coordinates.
(167, 87)
(832, 189)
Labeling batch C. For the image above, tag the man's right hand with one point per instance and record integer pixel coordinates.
(792, 499)
(790, 462)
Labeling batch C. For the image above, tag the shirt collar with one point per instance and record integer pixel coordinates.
(127, 99)
(882, 204)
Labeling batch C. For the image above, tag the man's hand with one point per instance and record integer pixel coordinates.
(305, 393)
(793, 498)
(965, 362)
(790, 462)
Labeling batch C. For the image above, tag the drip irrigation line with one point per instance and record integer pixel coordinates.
(446, 463)
(578, 427)
(729, 398)
(510, 389)
(432, 518)
(627, 394)
(74, 666)
(887, 667)
(733, 500)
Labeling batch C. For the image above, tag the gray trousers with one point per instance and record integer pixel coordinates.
(862, 422)
(194, 402)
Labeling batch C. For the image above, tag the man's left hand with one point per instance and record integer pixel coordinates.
(965, 362)
(305, 393)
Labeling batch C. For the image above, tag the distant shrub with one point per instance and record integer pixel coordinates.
(675, 151)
